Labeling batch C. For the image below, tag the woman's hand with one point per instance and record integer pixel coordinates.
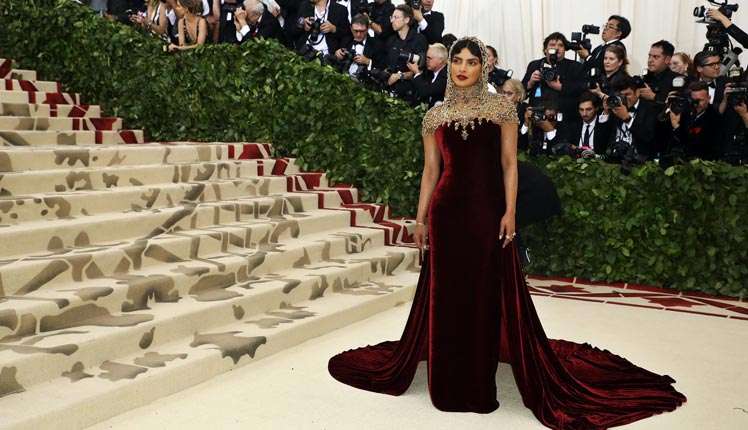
(172, 47)
(507, 229)
(421, 236)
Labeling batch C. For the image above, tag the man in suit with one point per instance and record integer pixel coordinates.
(709, 68)
(368, 51)
(254, 20)
(335, 29)
(430, 22)
(616, 29)
(632, 124)
(569, 83)
(539, 136)
(698, 134)
(588, 132)
(431, 85)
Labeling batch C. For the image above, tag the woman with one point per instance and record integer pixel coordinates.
(682, 64)
(472, 307)
(193, 29)
(615, 65)
(155, 19)
(514, 91)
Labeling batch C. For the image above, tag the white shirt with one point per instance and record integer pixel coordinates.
(591, 131)
(423, 25)
(321, 45)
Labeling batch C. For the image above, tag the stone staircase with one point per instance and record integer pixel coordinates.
(131, 270)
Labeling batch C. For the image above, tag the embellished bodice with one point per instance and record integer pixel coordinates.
(466, 115)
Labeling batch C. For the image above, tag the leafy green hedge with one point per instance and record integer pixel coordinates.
(685, 228)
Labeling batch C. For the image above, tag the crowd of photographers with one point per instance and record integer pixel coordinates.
(592, 106)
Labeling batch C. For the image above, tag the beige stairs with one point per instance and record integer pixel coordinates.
(130, 270)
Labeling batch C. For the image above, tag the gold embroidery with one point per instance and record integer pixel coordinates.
(463, 107)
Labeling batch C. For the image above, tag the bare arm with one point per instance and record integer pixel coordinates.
(431, 171)
(511, 179)
(202, 30)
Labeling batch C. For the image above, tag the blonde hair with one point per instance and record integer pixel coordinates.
(517, 87)
(440, 50)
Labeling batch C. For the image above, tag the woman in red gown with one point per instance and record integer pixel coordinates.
(472, 307)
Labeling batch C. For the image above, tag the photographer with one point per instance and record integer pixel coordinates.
(324, 27)
(539, 134)
(632, 124)
(496, 76)
(364, 51)
(254, 20)
(588, 133)
(708, 68)
(659, 78)
(406, 43)
(731, 29)
(555, 76)
(381, 13)
(430, 22)
(736, 143)
(615, 30)
(696, 126)
(431, 85)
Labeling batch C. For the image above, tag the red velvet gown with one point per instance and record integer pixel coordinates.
(472, 309)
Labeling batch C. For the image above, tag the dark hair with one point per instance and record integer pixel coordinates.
(555, 36)
(360, 19)
(624, 82)
(701, 57)
(667, 48)
(589, 96)
(407, 12)
(469, 45)
(624, 26)
(493, 51)
(448, 40)
(698, 86)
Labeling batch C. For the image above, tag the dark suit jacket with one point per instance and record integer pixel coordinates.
(574, 130)
(702, 137)
(373, 49)
(595, 60)
(642, 129)
(429, 92)
(338, 16)
(719, 91)
(573, 85)
(738, 34)
(435, 28)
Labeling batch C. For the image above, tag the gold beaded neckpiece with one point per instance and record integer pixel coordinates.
(464, 107)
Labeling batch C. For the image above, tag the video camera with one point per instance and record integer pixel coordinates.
(738, 91)
(718, 42)
(499, 76)
(579, 40)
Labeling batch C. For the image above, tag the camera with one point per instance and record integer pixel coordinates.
(593, 78)
(549, 70)
(624, 153)
(590, 29)
(308, 53)
(316, 31)
(538, 114)
(679, 103)
(499, 76)
(578, 41)
(615, 101)
(726, 9)
(738, 92)
(414, 4)
(642, 80)
(404, 57)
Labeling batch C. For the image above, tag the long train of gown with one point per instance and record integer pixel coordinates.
(472, 309)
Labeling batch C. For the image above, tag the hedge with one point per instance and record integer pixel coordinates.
(684, 228)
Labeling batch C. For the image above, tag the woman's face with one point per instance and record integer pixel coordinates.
(611, 63)
(507, 90)
(677, 65)
(466, 69)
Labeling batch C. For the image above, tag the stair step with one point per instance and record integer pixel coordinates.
(181, 298)
(39, 97)
(59, 123)
(48, 157)
(42, 110)
(70, 138)
(36, 86)
(87, 394)
(19, 74)
(101, 178)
